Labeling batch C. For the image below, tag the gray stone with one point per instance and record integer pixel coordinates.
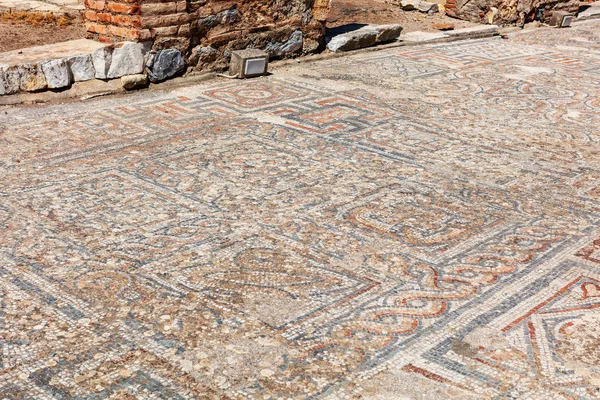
(81, 68)
(588, 11)
(56, 73)
(293, 45)
(128, 59)
(388, 33)
(2, 84)
(364, 37)
(420, 5)
(101, 60)
(164, 64)
(208, 22)
(136, 81)
(223, 17)
(354, 40)
(31, 78)
(202, 55)
(409, 5)
(427, 7)
(229, 16)
(9, 80)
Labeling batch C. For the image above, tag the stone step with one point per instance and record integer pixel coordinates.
(53, 66)
(37, 54)
(58, 66)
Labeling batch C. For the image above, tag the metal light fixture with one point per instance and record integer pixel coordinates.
(248, 63)
(561, 19)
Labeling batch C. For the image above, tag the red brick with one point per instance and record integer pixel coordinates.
(127, 20)
(125, 33)
(96, 28)
(124, 8)
(95, 4)
(91, 15)
(104, 17)
(130, 33)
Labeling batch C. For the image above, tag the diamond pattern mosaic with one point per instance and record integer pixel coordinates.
(411, 223)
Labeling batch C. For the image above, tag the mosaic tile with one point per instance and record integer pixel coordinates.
(417, 223)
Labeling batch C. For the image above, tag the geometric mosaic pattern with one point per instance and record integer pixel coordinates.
(418, 222)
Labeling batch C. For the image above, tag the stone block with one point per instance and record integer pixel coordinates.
(202, 55)
(353, 40)
(31, 78)
(9, 80)
(293, 45)
(128, 59)
(81, 68)
(101, 60)
(57, 74)
(420, 5)
(130, 82)
(164, 64)
(388, 33)
(588, 11)
(2, 84)
(364, 37)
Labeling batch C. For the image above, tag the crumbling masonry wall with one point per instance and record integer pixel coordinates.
(207, 30)
(504, 12)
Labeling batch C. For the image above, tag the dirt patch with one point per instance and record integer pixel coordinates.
(24, 29)
(345, 12)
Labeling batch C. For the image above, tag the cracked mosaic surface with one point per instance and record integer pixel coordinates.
(411, 223)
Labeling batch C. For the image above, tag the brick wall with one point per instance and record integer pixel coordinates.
(207, 30)
(109, 21)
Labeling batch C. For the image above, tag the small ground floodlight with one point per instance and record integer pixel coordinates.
(561, 19)
(248, 63)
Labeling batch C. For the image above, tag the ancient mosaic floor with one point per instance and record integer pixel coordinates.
(413, 223)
